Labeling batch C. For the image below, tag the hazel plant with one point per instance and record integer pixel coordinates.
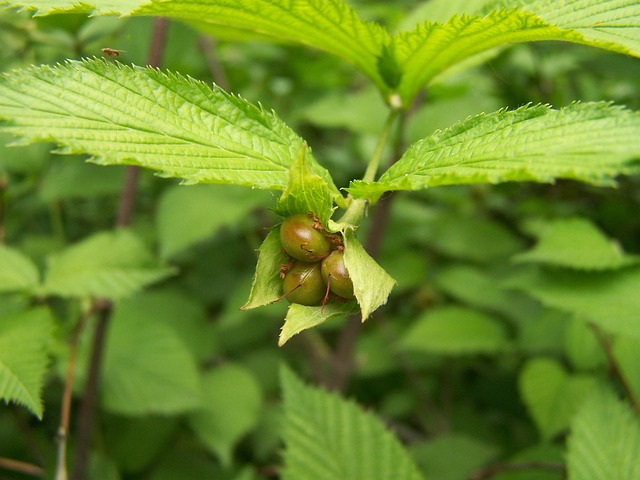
(186, 129)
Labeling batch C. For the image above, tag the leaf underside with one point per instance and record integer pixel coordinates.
(590, 142)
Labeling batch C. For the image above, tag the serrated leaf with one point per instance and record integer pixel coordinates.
(17, 272)
(231, 405)
(95, 7)
(604, 441)
(306, 192)
(590, 142)
(576, 243)
(24, 347)
(327, 438)
(267, 284)
(147, 369)
(188, 215)
(371, 283)
(454, 330)
(551, 395)
(108, 264)
(166, 122)
(608, 299)
(301, 317)
(431, 48)
(329, 25)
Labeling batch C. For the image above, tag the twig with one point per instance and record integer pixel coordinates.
(208, 47)
(493, 470)
(21, 467)
(614, 368)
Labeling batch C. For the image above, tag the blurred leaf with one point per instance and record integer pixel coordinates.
(267, 284)
(231, 406)
(142, 116)
(551, 395)
(47, 7)
(188, 215)
(608, 299)
(147, 368)
(17, 272)
(590, 142)
(604, 441)
(109, 264)
(455, 330)
(452, 456)
(371, 283)
(327, 438)
(24, 347)
(544, 332)
(301, 317)
(73, 179)
(582, 347)
(550, 454)
(576, 243)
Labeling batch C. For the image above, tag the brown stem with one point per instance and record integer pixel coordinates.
(103, 306)
(208, 47)
(493, 470)
(614, 368)
(21, 467)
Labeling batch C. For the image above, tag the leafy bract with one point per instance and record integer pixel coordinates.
(231, 405)
(455, 330)
(329, 25)
(108, 264)
(328, 438)
(267, 284)
(590, 142)
(147, 368)
(604, 441)
(17, 272)
(24, 347)
(552, 395)
(301, 317)
(576, 243)
(131, 115)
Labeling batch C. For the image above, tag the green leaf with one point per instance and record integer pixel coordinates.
(582, 347)
(24, 348)
(267, 284)
(147, 368)
(604, 441)
(328, 25)
(626, 351)
(95, 7)
(371, 283)
(231, 406)
(453, 330)
(132, 115)
(609, 299)
(188, 215)
(17, 272)
(301, 317)
(306, 192)
(590, 142)
(551, 395)
(576, 243)
(327, 438)
(108, 264)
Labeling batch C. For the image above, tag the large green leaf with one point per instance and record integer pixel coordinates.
(329, 25)
(107, 264)
(329, 438)
(431, 48)
(131, 115)
(591, 142)
(604, 441)
(45, 7)
(552, 395)
(24, 345)
(575, 243)
(231, 405)
(147, 367)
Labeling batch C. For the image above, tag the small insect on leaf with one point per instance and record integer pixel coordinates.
(112, 52)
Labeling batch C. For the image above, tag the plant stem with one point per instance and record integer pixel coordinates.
(494, 470)
(21, 467)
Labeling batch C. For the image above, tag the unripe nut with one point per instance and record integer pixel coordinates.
(302, 240)
(303, 284)
(336, 276)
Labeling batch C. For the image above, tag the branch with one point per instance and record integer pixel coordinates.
(493, 470)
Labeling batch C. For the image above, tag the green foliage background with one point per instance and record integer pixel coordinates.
(512, 327)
